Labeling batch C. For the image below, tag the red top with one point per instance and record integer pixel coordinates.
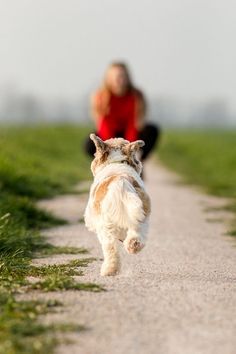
(120, 119)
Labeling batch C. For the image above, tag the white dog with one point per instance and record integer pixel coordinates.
(118, 206)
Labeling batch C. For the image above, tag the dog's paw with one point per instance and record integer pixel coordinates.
(109, 269)
(133, 245)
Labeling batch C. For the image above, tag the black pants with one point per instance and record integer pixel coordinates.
(150, 135)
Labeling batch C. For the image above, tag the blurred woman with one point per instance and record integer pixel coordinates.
(119, 110)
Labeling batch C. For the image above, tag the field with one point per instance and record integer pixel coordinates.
(40, 162)
(35, 162)
(204, 158)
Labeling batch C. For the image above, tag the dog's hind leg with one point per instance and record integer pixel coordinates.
(135, 239)
(111, 263)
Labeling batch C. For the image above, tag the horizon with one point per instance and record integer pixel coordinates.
(178, 49)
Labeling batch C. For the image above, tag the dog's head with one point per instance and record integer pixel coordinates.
(117, 150)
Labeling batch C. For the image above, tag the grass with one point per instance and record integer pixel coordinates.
(40, 162)
(18, 320)
(50, 250)
(23, 211)
(56, 282)
(35, 162)
(204, 158)
(59, 269)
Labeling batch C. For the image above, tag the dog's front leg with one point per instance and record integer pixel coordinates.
(111, 263)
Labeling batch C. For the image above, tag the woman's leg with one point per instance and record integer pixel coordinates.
(89, 146)
(150, 135)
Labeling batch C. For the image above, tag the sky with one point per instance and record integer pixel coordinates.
(60, 48)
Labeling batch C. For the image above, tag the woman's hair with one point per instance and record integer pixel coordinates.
(103, 95)
(124, 67)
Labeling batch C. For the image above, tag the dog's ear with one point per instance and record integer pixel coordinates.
(136, 145)
(99, 143)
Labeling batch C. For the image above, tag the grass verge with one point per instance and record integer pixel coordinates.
(205, 158)
(35, 162)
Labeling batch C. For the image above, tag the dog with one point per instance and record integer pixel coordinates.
(118, 208)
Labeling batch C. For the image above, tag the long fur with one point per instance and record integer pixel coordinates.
(118, 212)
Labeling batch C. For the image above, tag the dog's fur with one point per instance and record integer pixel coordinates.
(118, 206)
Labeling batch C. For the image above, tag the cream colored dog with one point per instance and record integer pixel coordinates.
(118, 206)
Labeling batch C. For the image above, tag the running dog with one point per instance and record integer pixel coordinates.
(119, 206)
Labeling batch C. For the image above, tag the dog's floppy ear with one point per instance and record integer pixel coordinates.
(136, 145)
(99, 143)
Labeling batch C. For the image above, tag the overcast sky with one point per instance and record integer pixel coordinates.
(182, 48)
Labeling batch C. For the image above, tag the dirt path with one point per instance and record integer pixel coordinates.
(177, 297)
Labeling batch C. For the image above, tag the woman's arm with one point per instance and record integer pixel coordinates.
(99, 105)
(94, 108)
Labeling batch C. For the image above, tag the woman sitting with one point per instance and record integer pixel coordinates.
(119, 110)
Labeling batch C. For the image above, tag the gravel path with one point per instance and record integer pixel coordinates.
(178, 296)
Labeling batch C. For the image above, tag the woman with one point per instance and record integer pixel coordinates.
(119, 109)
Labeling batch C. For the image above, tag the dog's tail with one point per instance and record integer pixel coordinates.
(122, 204)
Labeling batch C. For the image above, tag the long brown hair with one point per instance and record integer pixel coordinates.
(103, 95)
(124, 67)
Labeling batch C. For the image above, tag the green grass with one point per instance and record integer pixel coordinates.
(18, 321)
(39, 162)
(50, 250)
(204, 158)
(35, 162)
(57, 282)
(23, 211)
(43, 161)
(59, 269)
